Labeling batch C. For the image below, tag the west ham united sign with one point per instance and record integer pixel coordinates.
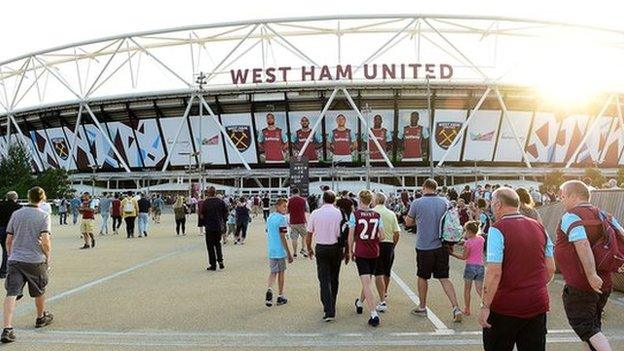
(445, 133)
(240, 135)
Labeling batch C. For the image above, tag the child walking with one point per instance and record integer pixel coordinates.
(473, 255)
(231, 226)
(278, 250)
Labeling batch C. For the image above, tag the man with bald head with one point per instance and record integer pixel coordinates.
(301, 135)
(586, 291)
(519, 267)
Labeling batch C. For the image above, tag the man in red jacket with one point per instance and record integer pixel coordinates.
(586, 291)
(519, 267)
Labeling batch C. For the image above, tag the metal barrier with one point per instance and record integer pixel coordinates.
(611, 201)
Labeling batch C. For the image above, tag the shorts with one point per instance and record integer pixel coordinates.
(584, 311)
(277, 265)
(385, 259)
(365, 266)
(474, 272)
(434, 262)
(87, 226)
(297, 231)
(20, 273)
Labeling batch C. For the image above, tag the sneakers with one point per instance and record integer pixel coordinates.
(281, 300)
(303, 253)
(45, 320)
(359, 308)
(268, 298)
(374, 321)
(211, 268)
(221, 265)
(457, 315)
(381, 307)
(418, 311)
(328, 318)
(85, 246)
(8, 335)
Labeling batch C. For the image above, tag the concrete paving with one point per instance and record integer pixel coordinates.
(154, 293)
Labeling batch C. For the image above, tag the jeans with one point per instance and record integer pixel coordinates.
(143, 222)
(130, 226)
(180, 223)
(241, 229)
(75, 215)
(104, 226)
(62, 218)
(3, 236)
(328, 259)
(213, 245)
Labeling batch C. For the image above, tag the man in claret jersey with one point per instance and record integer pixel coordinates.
(383, 136)
(342, 141)
(272, 140)
(413, 136)
(301, 135)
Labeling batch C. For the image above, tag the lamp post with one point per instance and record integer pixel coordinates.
(367, 112)
(190, 167)
(200, 80)
(94, 167)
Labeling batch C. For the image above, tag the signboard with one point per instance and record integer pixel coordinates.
(300, 175)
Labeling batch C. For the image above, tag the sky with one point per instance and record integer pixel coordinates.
(28, 26)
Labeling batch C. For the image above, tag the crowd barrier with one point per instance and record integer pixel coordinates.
(611, 201)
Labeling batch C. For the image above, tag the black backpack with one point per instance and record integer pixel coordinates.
(343, 239)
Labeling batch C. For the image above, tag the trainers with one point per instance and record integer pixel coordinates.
(269, 298)
(359, 308)
(373, 321)
(418, 311)
(85, 246)
(328, 318)
(211, 268)
(381, 307)
(8, 335)
(45, 320)
(281, 300)
(221, 265)
(457, 315)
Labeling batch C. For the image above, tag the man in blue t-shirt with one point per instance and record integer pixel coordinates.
(278, 251)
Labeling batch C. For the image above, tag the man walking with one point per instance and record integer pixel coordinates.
(383, 269)
(62, 211)
(431, 256)
(116, 213)
(144, 211)
(105, 210)
(214, 214)
(586, 290)
(7, 207)
(158, 205)
(519, 267)
(29, 248)
(297, 208)
(87, 224)
(325, 224)
(74, 204)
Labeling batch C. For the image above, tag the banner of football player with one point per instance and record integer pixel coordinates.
(571, 132)
(507, 149)
(382, 126)
(210, 139)
(481, 135)
(446, 126)
(239, 129)
(413, 135)
(301, 123)
(179, 151)
(342, 135)
(272, 136)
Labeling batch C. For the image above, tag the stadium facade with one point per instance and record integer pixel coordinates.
(443, 95)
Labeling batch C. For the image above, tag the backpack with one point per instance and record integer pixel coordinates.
(343, 239)
(128, 207)
(451, 230)
(608, 250)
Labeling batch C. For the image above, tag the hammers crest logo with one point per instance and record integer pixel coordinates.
(240, 135)
(446, 132)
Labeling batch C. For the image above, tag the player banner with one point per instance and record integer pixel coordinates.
(300, 175)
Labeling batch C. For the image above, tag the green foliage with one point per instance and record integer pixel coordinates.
(553, 179)
(16, 174)
(596, 177)
(620, 175)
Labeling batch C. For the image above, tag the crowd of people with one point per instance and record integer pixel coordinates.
(509, 257)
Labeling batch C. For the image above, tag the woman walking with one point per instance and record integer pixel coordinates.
(179, 211)
(527, 206)
(242, 221)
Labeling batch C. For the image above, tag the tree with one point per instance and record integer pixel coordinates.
(553, 179)
(620, 176)
(16, 171)
(55, 182)
(596, 177)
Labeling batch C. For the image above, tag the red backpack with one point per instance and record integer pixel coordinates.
(609, 248)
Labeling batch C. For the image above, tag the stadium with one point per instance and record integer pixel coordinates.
(460, 98)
